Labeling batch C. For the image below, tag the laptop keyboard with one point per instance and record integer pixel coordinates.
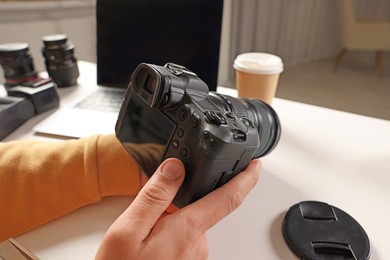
(103, 100)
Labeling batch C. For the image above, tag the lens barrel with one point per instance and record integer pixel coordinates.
(17, 63)
(61, 64)
(267, 122)
(259, 113)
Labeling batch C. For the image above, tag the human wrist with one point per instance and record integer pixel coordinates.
(118, 173)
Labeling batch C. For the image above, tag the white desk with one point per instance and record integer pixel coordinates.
(331, 156)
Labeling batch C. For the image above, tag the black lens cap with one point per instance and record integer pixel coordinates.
(316, 230)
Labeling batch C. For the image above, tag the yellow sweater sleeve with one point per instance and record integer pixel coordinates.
(40, 181)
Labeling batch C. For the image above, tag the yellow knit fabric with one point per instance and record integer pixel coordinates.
(40, 181)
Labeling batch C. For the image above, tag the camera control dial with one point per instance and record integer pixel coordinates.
(215, 118)
(181, 114)
(178, 69)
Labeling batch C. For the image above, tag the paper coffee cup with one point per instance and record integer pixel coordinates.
(257, 75)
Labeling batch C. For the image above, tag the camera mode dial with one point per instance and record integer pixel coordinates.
(177, 69)
(215, 118)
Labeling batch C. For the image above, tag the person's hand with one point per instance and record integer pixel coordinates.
(145, 231)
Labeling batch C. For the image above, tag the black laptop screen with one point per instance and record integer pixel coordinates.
(129, 32)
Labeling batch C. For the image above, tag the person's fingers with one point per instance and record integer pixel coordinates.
(203, 247)
(197, 251)
(172, 208)
(209, 210)
(144, 179)
(155, 197)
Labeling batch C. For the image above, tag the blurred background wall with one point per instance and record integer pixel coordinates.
(299, 31)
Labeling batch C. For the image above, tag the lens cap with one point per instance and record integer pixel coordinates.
(56, 39)
(316, 230)
(16, 47)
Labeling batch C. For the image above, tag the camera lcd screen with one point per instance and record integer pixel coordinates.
(144, 132)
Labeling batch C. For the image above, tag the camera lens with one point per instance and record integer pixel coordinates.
(259, 113)
(61, 64)
(17, 63)
(267, 122)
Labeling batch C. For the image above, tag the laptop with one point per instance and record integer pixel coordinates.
(130, 32)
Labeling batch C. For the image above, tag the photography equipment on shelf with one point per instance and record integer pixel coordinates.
(28, 93)
(61, 64)
(169, 112)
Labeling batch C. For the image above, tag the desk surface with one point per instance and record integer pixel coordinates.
(326, 155)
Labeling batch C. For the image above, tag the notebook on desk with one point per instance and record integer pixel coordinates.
(186, 32)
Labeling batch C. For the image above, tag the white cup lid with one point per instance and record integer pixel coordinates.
(258, 63)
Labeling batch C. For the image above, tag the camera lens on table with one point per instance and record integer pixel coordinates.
(61, 64)
(28, 94)
(17, 63)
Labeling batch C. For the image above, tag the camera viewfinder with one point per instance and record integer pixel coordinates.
(150, 83)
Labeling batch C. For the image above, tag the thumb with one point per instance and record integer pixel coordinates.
(155, 197)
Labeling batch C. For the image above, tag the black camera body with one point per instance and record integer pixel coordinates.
(169, 112)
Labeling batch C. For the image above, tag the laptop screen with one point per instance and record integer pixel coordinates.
(129, 32)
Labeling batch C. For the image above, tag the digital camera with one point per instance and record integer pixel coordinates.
(169, 112)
